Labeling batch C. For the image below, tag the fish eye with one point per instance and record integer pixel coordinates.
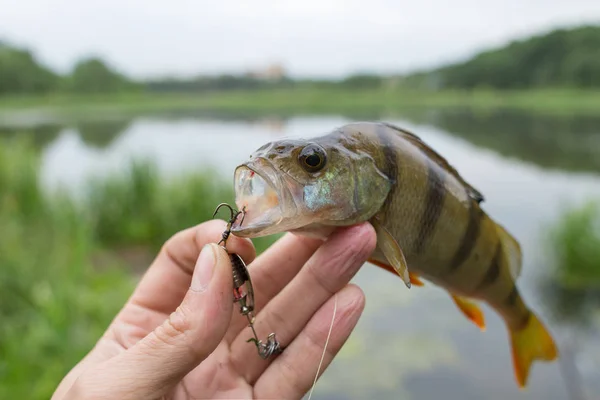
(312, 158)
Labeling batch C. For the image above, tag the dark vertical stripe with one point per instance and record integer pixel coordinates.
(355, 196)
(524, 320)
(469, 238)
(514, 304)
(390, 162)
(493, 270)
(511, 300)
(434, 204)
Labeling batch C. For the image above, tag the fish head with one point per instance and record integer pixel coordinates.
(303, 185)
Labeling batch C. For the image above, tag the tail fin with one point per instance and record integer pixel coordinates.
(529, 344)
(534, 341)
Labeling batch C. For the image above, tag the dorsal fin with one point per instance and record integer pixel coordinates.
(438, 159)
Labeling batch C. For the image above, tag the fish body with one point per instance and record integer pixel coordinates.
(428, 219)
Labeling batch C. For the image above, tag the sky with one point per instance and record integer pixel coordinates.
(310, 38)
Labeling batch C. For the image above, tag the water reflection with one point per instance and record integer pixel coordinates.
(563, 141)
(101, 134)
(573, 312)
(40, 136)
(570, 307)
(95, 134)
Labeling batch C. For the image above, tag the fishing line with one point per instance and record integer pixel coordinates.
(325, 347)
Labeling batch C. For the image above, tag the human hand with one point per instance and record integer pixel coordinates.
(179, 337)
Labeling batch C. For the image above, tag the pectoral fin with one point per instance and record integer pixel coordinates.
(470, 310)
(414, 278)
(390, 248)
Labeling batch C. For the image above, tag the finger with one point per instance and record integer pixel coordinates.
(332, 266)
(156, 363)
(166, 282)
(276, 267)
(273, 270)
(292, 374)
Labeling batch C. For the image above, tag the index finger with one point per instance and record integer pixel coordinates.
(166, 282)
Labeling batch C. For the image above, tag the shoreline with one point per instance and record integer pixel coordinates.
(301, 101)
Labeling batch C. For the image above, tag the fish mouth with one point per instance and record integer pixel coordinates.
(260, 193)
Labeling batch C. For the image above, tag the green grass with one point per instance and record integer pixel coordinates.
(64, 272)
(141, 208)
(388, 101)
(53, 303)
(571, 290)
(576, 244)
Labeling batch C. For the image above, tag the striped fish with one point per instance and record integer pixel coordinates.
(429, 222)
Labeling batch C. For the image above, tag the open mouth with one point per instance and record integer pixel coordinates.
(256, 194)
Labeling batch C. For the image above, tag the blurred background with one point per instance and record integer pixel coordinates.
(121, 123)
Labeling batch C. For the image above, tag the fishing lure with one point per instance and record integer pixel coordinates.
(243, 291)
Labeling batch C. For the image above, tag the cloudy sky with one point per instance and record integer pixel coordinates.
(309, 37)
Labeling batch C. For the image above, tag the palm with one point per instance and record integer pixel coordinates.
(217, 373)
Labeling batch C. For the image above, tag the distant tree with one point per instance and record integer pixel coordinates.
(362, 81)
(92, 75)
(563, 57)
(215, 83)
(20, 72)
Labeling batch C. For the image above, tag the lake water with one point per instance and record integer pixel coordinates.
(410, 344)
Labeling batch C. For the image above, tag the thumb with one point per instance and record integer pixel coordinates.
(156, 363)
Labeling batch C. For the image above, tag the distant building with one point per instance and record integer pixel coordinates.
(392, 82)
(273, 72)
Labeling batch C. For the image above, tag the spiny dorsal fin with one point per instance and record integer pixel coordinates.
(437, 158)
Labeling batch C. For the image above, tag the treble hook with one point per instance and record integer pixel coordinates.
(243, 290)
(234, 216)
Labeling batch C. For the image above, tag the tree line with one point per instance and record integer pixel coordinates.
(22, 73)
(560, 58)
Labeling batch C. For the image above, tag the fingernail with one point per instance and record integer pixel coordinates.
(203, 271)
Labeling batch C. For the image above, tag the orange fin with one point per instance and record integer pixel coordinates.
(529, 344)
(392, 251)
(414, 278)
(470, 310)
